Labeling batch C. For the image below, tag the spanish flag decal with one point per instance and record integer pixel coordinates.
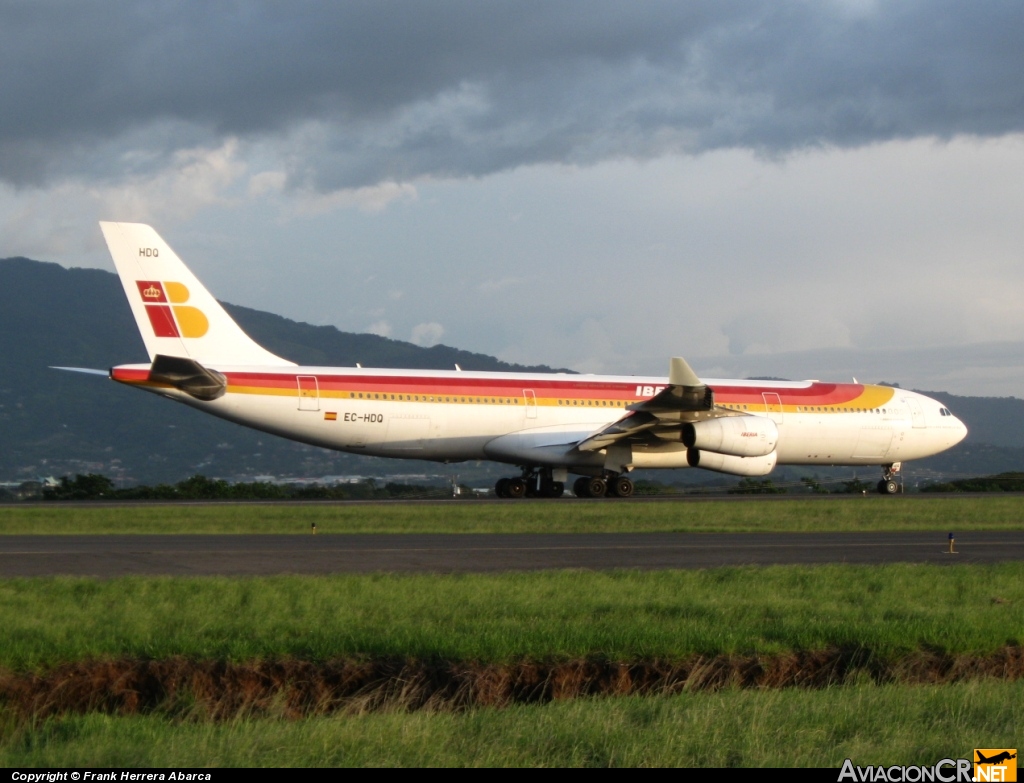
(168, 314)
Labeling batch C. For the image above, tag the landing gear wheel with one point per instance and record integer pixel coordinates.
(516, 488)
(596, 487)
(579, 487)
(501, 488)
(622, 487)
(556, 489)
(889, 487)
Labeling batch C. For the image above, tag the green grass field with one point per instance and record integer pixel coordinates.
(785, 728)
(512, 616)
(853, 513)
(887, 611)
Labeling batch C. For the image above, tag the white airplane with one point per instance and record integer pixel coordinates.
(549, 425)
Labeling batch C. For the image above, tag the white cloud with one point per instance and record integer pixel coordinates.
(611, 268)
(489, 287)
(60, 220)
(196, 179)
(373, 198)
(380, 328)
(427, 334)
(267, 182)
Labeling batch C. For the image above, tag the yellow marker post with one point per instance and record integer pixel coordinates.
(952, 547)
(314, 529)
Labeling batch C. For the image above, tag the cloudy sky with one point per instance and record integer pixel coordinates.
(804, 189)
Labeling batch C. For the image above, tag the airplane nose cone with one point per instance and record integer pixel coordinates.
(960, 433)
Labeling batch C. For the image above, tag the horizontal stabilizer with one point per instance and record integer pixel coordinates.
(189, 376)
(86, 370)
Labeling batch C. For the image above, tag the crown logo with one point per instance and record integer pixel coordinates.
(151, 293)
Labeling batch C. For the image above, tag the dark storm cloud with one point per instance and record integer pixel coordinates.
(353, 93)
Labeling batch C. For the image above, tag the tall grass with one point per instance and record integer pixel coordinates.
(755, 515)
(871, 725)
(512, 616)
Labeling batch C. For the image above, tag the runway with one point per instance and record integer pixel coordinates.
(115, 555)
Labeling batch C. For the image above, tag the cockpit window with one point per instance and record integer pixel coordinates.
(944, 412)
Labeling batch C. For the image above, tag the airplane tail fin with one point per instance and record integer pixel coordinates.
(175, 313)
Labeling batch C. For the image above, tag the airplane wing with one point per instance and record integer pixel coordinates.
(685, 399)
(633, 423)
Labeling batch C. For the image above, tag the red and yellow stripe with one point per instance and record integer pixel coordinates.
(556, 392)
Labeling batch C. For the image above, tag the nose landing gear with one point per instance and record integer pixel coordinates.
(889, 485)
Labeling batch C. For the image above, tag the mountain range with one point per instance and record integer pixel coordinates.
(54, 423)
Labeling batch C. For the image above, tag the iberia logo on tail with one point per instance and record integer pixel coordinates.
(168, 314)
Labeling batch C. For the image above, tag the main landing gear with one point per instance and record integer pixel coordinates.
(538, 483)
(889, 485)
(600, 486)
(532, 484)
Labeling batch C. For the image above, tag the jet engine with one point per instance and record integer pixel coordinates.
(739, 436)
(736, 466)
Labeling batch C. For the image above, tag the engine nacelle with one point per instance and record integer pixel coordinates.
(739, 436)
(736, 466)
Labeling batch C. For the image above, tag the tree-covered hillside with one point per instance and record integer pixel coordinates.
(56, 423)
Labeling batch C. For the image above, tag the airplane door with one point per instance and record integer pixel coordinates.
(309, 393)
(916, 413)
(773, 406)
(531, 403)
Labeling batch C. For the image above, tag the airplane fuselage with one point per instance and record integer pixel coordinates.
(550, 425)
(533, 419)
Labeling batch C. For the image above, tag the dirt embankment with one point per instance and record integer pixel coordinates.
(296, 688)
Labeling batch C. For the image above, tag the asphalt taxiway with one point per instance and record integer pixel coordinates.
(177, 555)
